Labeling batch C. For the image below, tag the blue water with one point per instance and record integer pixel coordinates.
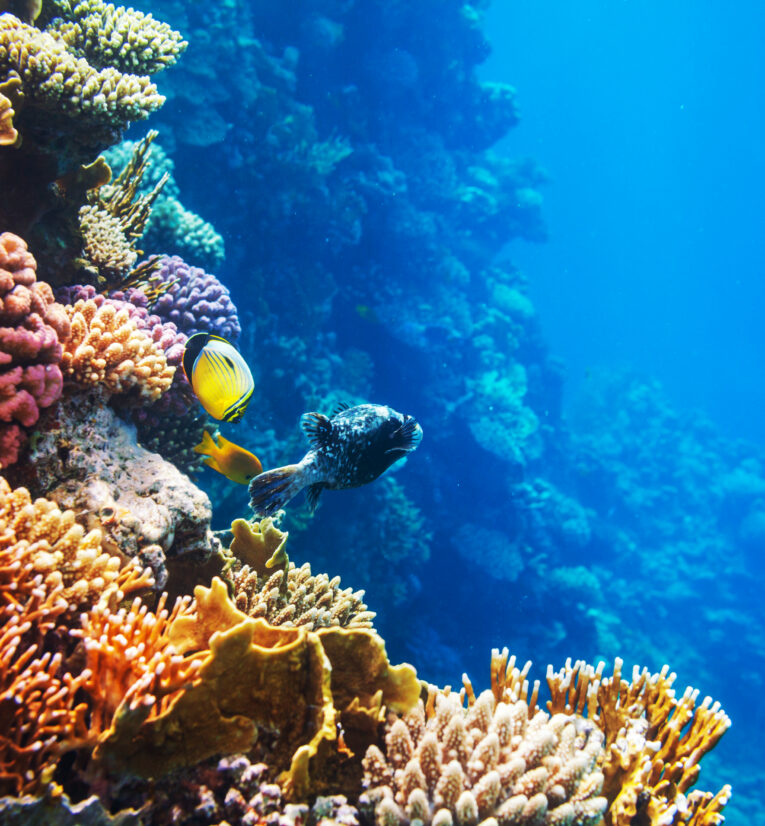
(592, 478)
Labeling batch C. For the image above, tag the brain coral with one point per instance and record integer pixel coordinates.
(32, 327)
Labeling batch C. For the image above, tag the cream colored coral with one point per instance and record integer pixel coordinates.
(105, 347)
(492, 761)
(127, 39)
(8, 134)
(105, 244)
(55, 79)
(313, 601)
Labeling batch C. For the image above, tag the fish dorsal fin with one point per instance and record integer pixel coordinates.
(317, 427)
(312, 494)
(339, 408)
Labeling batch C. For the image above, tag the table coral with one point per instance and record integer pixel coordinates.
(32, 327)
(57, 80)
(106, 347)
(127, 39)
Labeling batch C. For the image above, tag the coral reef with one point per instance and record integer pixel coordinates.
(32, 327)
(87, 459)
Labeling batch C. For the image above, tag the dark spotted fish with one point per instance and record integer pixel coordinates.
(350, 448)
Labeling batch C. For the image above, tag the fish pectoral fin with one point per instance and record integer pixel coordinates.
(210, 462)
(312, 494)
(317, 428)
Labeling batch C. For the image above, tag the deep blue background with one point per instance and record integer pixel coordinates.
(649, 118)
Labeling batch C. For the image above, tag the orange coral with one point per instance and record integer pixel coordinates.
(8, 134)
(105, 347)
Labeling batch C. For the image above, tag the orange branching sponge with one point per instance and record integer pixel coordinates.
(654, 742)
(105, 347)
(498, 760)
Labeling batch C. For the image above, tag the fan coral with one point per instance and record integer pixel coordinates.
(654, 742)
(196, 302)
(501, 760)
(32, 326)
(106, 347)
(127, 39)
(305, 600)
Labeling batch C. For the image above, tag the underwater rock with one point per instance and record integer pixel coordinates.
(87, 459)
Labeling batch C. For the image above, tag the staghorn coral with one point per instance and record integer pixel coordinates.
(32, 327)
(49, 568)
(129, 40)
(59, 82)
(654, 742)
(106, 347)
(290, 596)
(496, 759)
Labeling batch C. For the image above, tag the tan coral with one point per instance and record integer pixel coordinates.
(654, 742)
(313, 601)
(55, 79)
(124, 38)
(8, 134)
(105, 347)
(105, 246)
(496, 760)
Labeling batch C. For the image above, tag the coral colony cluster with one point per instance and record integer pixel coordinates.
(153, 670)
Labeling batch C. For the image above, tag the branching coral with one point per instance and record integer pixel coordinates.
(495, 759)
(654, 742)
(32, 327)
(290, 596)
(106, 347)
(8, 134)
(48, 568)
(127, 39)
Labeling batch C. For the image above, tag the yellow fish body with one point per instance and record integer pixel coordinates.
(219, 376)
(234, 462)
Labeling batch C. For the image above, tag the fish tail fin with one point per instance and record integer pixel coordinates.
(271, 490)
(207, 447)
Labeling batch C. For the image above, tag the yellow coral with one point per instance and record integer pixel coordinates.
(654, 741)
(57, 80)
(105, 347)
(8, 134)
(115, 36)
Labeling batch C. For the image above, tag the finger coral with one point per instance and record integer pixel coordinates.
(32, 327)
(106, 347)
(127, 39)
(290, 596)
(654, 742)
(499, 760)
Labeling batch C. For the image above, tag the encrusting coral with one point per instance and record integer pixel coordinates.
(654, 742)
(289, 596)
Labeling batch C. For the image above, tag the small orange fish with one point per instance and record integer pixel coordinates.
(234, 462)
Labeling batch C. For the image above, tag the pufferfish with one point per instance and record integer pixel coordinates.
(218, 375)
(350, 448)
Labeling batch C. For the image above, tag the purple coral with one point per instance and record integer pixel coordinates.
(197, 302)
(32, 326)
